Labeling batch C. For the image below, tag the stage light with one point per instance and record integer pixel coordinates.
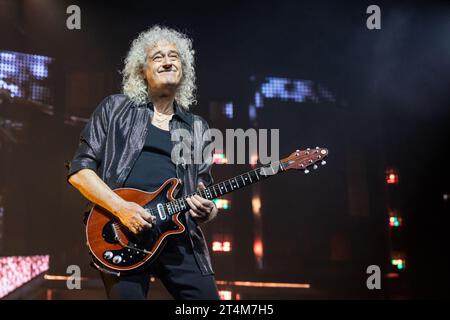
(225, 294)
(15, 271)
(228, 110)
(398, 260)
(219, 158)
(226, 246)
(399, 263)
(25, 76)
(395, 220)
(221, 246)
(295, 90)
(252, 112)
(222, 204)
(256, 206)
(391, 176)
(258, 100)
(51, 277)
(264, 284)
(217, 246)
(392, 275)
(258, 249)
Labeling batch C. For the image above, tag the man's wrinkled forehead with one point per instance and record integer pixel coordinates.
(161, 45)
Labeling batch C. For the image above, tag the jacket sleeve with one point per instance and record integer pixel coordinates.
(204, 169)
(89, 154)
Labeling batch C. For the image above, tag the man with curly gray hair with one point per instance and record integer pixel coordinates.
(127, 144)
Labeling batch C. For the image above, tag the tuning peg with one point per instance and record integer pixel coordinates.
(323, 162)
(315, 167)
(306, 171)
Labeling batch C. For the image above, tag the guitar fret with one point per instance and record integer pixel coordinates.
(208, 194)
(218, 188)
(252, 176)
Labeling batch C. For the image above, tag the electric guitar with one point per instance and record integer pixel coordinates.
(117, 250)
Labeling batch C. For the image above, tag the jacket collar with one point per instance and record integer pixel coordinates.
(179, 112)
(182, 114)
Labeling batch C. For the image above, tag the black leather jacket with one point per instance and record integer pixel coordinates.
(111, 142)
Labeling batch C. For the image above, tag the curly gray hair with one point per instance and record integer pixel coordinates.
(134, 84)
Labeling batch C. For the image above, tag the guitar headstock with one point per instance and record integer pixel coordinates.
(304, 159)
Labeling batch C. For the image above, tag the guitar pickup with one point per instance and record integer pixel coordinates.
(161, 212)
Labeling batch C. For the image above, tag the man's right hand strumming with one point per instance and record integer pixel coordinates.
(130, 214)
(134, 217)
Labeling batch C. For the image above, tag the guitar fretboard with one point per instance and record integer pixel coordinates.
(219, 189)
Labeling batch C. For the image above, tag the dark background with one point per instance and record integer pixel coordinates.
(391, 110)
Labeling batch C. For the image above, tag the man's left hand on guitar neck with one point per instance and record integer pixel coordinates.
(202, 210)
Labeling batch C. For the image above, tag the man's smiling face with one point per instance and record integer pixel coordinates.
(163, 67)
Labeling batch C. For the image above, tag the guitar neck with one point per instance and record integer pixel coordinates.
(227, 186)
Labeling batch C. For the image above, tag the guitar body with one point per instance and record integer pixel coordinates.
(116, 249)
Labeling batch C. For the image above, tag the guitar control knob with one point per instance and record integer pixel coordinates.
(108, 255)
(306, 171)
(315, 167)
(117, 259)
(323, 162)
